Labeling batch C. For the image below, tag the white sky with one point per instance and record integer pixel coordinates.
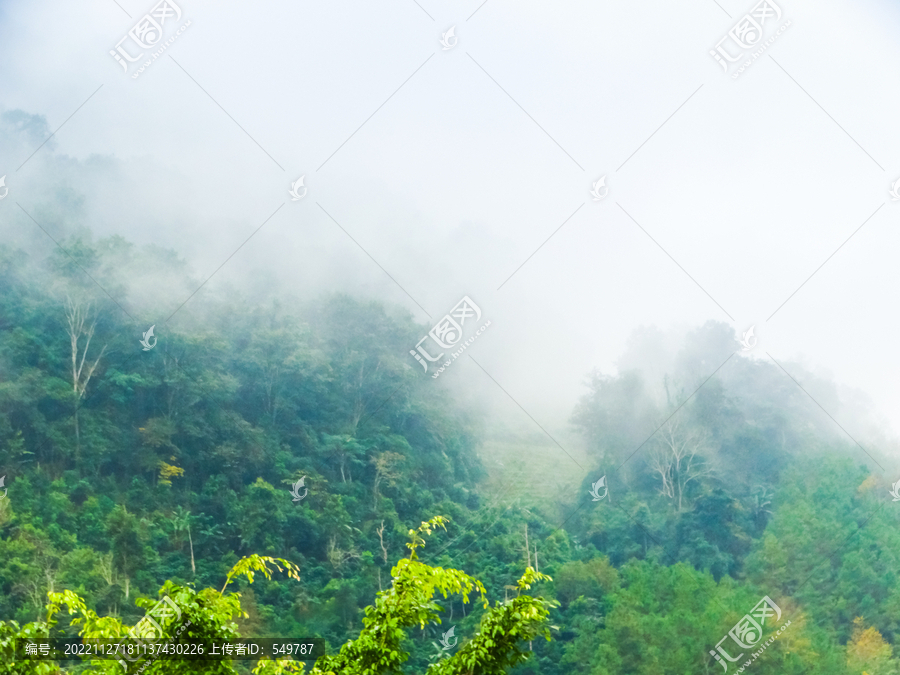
(450, 186)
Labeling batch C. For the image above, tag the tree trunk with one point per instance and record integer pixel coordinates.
(77, 434)
(380, 532)
(77, 316)
(191, 541)
(527, 550)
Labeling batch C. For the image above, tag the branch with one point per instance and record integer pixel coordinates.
(91, 370)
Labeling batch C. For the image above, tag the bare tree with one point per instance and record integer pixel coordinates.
(80, 325)
(181, 522)
(338, 556)
(676, 458)
(41, 579)
(385, 470)
(106, 569)
(380, 532)
(341, 445)
(527, 549)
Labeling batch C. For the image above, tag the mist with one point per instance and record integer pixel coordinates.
(451, 185)
(595, 295)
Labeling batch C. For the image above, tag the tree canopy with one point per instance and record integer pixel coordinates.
(130, 473)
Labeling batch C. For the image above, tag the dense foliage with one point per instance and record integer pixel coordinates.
(207, 615)
(127, 468)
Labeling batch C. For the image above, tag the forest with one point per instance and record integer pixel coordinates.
(130, 473)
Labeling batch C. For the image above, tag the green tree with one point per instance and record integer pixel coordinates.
(496, 646)
(209, 614)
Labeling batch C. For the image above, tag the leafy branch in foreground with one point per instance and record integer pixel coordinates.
(204, 615)
(260, 563)
(410, 601)
(506, 626)
(208, 614)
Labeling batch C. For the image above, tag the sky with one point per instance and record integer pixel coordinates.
(434, 173)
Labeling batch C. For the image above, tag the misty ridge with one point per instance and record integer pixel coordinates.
(131, 286)
(729, 476)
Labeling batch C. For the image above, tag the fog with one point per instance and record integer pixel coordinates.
(434, 174)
